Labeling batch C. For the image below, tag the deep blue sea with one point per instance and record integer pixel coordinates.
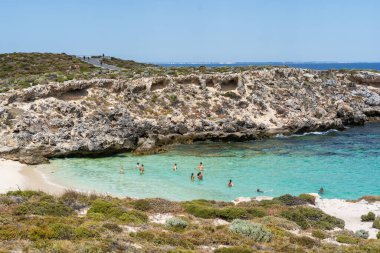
(346, 164)
(306, 65)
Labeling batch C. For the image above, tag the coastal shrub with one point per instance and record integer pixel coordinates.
(106, 208)
(85, 233)
(278, 222)
(113, 227)
(26, 194)
(62, 231)
(237, 249)
(368, 217)
(76, 200)
(176, 222)
(304, 241)
(378, 235)
(290, 200)
(12, 232)
(256, 212)
(317, 233)
(348, 239)
(44, 208)
(252, 230)
(307, 217)
(231, 213)
(142, 205)
(308, 198)
(376, 223)
(134, 216)
(159, 205)
(362, 234)
(199, 209)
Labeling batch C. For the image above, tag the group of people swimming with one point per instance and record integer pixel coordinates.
(141, 169)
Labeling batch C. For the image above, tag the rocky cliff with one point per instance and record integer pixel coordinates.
(104, 116)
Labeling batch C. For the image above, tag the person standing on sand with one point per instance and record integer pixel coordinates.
(230, 184)
(142, 169)
(201, 166)
(192, 177)
(175, 167)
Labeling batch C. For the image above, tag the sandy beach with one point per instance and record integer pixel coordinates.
(15, 175)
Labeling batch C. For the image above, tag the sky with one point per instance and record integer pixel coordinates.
(196, 30)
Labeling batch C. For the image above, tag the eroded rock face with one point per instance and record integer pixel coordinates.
(104, 116)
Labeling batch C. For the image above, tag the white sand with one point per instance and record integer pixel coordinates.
(351, 212)
(15, 175)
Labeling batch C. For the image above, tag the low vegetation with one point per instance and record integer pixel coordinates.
(33, 221)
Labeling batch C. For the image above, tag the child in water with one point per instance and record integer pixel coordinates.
(175, 167)
(121, 170)
(230, 184)
(201, 166)
(142, 169)
(200, 176)
(138, 166)
(192, 177)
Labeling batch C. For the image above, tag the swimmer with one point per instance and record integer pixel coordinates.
(321, 190)
(259, 191)
(200, 176)
(121, 170)
(230, 184)
(142, 169)
(138, 166)
(201, 166)
(192, 177)
(175, 167)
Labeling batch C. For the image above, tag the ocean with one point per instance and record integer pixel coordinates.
(345, 163)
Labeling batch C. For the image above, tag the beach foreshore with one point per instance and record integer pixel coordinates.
(15, 175)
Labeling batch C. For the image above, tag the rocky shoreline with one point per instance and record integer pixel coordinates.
(105, 116)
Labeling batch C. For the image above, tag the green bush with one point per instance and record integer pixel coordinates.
(308, 198)
(142, 205)
(134, 216)
(347, 239)
(251, 230)
(76, 200)
(44, 208)
(85, 233)
(304, 241)
(203, 209)
(113, 227)
(362, 234)
(376, 223)
(307, 217)
(237, 249)
(176, 222)
(290, 200)
(62, 231)
(231, 213)
(199, 209)
(317, 233)
(256, 212)
(26, 194)
(378, 235)
(106, 208)
(368, 217)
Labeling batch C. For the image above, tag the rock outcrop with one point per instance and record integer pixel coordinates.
(104, 116)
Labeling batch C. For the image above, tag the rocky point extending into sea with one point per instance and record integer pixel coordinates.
(105, 116)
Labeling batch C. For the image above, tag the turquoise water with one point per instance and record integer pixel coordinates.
(346, 164)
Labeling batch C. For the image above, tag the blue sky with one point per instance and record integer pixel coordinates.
(196, 30)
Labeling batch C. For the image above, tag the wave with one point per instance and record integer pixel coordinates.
(307, 133)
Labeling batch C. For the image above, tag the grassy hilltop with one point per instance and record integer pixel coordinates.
(37, 222)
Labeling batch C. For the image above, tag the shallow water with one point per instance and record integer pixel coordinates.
(346, 164)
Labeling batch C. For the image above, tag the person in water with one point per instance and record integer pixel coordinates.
(321, 190)
(175, 167)
(201, 166)
(121, 170)
(230, 184)
(192, 177)
(138, 166)
(200, 176)
(142, 169)
(259, 191)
